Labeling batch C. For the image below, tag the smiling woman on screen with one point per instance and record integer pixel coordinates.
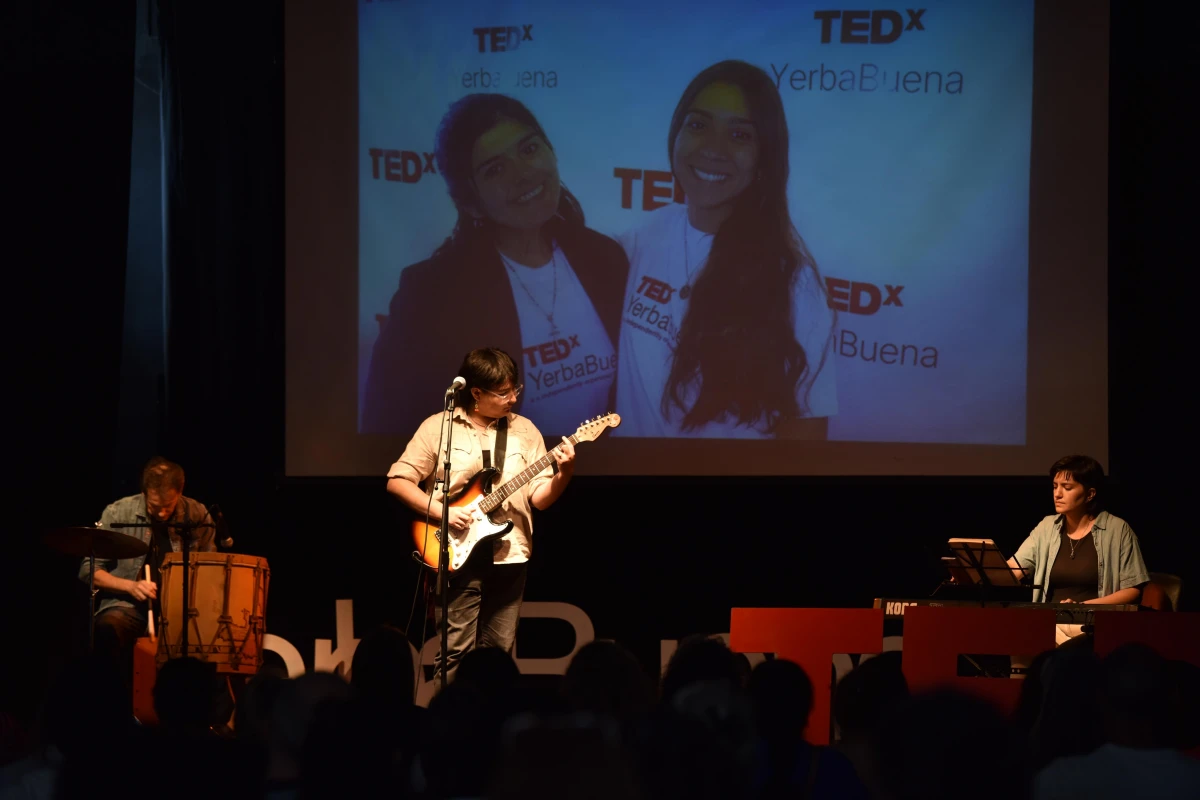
(726, 331)
(519, 271)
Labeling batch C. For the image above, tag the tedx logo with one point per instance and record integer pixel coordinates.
(658, 187)
(857, 297)
(882, 26)
(405, 166)
(500, 39)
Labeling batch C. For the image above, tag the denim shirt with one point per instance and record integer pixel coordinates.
(133, 509)
(1118, 557)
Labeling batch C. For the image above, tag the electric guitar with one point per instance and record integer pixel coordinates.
(483, 502)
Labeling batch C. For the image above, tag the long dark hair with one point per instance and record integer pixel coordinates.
(736, 341)
(467, 119)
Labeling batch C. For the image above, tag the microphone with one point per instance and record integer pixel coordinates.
(222, 527)
(459, 383)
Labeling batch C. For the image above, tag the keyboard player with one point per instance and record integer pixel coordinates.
(1081, 553)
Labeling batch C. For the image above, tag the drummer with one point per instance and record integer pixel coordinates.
(124, 596)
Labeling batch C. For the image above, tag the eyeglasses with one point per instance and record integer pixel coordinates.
(515, 392)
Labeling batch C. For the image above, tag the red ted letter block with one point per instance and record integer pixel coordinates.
(145, 675)
(810, 637)
(934, 637)
(1175, 635)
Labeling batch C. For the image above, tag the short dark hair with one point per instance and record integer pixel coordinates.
(1087, 472)
(159, 474)
(487, 368)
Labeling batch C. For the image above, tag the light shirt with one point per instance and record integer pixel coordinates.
(420, 462)
(1118, 556)
(567, 358)
(665, 255)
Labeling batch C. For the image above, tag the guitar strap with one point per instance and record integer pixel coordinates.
(501, 444)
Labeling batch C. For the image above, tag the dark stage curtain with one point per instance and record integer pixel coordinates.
(222, 109)
(81, 75)
(67, 200)
(1152, 208)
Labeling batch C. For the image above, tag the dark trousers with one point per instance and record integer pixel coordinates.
(484, 606)
(117, 631)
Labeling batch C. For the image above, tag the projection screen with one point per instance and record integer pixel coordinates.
(801, 238)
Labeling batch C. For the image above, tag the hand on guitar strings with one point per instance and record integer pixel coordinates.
(564, 454)
(460, 518)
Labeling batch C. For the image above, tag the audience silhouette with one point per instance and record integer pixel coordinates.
(1085, 727)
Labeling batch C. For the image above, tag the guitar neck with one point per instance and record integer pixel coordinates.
(506, 490)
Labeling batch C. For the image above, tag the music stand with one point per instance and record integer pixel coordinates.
(984, 565)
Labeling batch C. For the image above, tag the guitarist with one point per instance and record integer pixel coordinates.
(484, 601)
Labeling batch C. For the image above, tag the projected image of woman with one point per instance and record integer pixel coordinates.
(726, 331)
(520, 271)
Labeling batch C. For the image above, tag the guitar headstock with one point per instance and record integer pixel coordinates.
(590, 430)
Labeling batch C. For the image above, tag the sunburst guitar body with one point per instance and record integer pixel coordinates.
(484, 527)
(483, 501)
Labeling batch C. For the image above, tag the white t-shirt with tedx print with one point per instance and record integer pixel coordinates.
(567, 359)
(665, 256)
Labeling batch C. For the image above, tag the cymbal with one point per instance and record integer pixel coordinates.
(82, 542)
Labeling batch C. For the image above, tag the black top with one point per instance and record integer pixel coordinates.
(1075, 578)
(420, 347)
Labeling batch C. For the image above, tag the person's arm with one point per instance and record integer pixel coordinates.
(138, 590)
(1131, 595)
(1024, 561)
(1131, 569)
(401, 380)
(544, 495)
(1018, 573)
(412, 496)
(416, 464)
(107, 582)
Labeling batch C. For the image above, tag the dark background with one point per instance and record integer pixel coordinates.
(646, 559)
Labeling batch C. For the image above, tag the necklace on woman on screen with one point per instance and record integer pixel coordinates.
(553, 298)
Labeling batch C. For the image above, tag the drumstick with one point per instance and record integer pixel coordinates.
(150, 610)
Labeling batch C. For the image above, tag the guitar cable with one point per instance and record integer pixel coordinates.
(425, 545)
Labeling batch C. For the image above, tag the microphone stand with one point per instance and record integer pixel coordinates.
(443, 571)
(190, 612)
(185, 529)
